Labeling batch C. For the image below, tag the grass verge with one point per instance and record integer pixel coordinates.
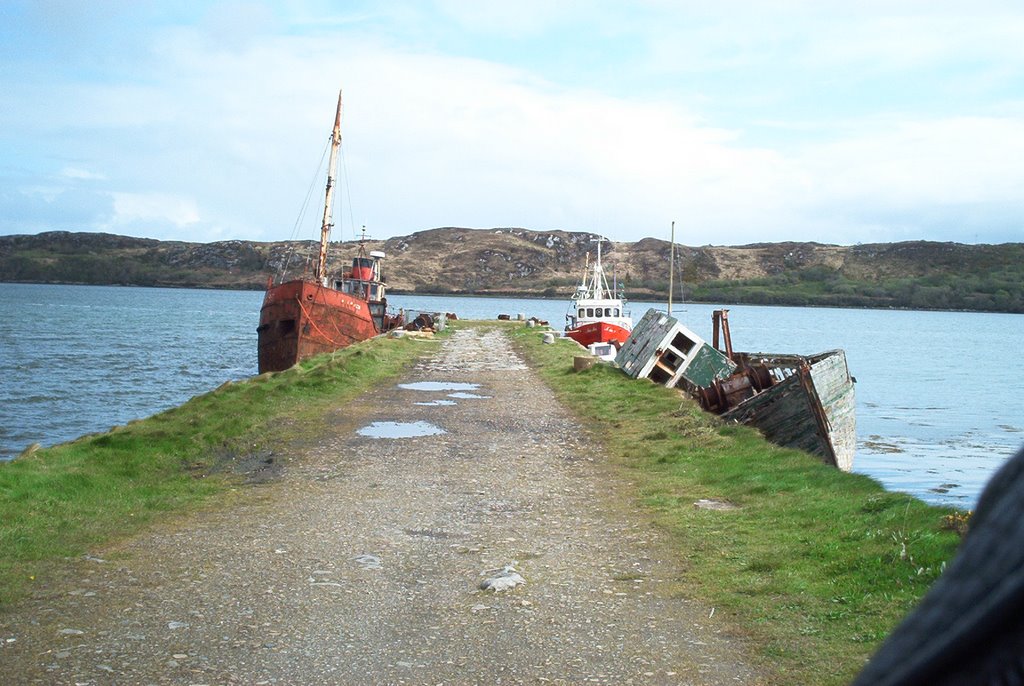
(815, 566)
(59, 502)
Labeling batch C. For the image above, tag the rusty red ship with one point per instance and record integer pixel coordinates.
(321, 313)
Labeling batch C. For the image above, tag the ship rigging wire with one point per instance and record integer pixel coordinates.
(348, 194)
(300, 218)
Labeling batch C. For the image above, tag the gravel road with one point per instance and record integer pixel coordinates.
(361, 563)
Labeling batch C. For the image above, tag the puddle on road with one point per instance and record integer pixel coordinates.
(466, 395)
(432, 403)
(399, 430)
(439, 386)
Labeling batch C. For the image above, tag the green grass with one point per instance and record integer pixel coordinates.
(815, 566)
(61, 502)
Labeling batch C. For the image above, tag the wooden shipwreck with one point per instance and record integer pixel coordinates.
(796, 401)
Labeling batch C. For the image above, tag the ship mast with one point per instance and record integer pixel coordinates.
(671, 267)
(598, 284)
(325, 227)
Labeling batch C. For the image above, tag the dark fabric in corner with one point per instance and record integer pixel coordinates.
(969, 628)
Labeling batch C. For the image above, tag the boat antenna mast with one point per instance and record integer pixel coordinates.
(598, 283)
(671, 267)
(325, 227)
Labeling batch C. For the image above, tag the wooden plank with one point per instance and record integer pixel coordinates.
(637, 355)
(785, 416)
(705, 365)
(835, 388)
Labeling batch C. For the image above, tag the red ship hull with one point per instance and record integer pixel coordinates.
(598, 332)
(300, 319)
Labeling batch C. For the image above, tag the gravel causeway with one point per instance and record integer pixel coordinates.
(362, 561)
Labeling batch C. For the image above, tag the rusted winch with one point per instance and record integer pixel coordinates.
(725, 394)
(422, 321)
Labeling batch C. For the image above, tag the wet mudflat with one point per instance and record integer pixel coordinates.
(364, 562)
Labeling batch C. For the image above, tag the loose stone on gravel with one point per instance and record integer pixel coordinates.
(367, 561)
(502, 579)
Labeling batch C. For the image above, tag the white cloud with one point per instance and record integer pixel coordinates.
(81, 174)
(437, 139)
(44, 193)
(134, 208)
(908, 163)
(525, 17)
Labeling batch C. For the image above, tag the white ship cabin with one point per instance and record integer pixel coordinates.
(608, 311)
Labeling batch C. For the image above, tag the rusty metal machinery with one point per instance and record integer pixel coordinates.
(725, 394)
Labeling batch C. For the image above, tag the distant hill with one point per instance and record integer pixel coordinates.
(513, 261)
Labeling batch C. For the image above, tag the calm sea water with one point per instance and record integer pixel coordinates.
(936, 400)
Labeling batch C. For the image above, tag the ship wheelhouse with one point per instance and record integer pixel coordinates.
(364, 280)
(585, 311)
(595, 312)
(357, 288)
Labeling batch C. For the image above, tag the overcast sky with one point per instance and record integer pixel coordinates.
(838, 122)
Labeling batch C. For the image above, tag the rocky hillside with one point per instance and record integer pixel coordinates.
(522, 262)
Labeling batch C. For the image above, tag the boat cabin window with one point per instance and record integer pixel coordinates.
(582, 312)
(607, 311)
(356, 288)
(616, 312)
(683, 343)
(667, 366)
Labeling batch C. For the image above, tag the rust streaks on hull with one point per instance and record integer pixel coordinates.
(300, 319)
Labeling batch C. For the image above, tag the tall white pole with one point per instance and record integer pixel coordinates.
(671, 267)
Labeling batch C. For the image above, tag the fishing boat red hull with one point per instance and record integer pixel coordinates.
(301, 318)
(597, 313)
(598, 332)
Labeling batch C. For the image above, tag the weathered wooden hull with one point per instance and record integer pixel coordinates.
(301, 318)
(598, 332)
(812, 409)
